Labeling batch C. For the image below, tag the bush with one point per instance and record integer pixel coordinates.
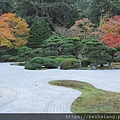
(69, 63)
(12, 51)
(40, 62)
(26, 53)
(76, 65)
(85, 62)
(49, 52)
(2, 52)
(37, 52)
(23, 49)
(60, 60)
(7, 58)
(117, 59)
(35, 63)
(51, 63)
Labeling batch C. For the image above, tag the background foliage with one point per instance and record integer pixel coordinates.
(59, 29)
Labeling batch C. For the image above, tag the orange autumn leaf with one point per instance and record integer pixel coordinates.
(5, 30)
(14, 29)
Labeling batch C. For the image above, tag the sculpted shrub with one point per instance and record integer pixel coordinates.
(51, 63)
(7, 58)
(40, 62)
(69, 64)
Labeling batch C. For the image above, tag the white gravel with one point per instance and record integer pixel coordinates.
(28, 91)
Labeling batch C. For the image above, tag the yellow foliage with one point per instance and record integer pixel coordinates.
(5, 42)
(13, 29)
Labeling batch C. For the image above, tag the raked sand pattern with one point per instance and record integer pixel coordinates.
(27, 91)
(7, 96)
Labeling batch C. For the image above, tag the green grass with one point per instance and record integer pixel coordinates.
(92, 100)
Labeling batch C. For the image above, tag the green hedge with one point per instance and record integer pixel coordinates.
(8, 58)
(70, 63)
(51, 63)
(40, 62)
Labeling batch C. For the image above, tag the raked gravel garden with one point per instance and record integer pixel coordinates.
(28, 91)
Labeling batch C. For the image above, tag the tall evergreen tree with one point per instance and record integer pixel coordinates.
(38, 33)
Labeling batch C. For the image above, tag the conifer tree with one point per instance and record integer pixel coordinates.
(38, 33)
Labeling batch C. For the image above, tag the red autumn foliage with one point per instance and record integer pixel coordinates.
(112, 27)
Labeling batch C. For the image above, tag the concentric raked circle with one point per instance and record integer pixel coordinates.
(7, 96)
